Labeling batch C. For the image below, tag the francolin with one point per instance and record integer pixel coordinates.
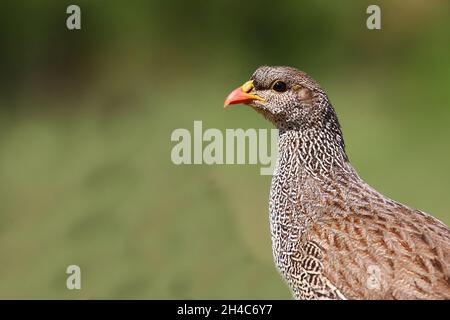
(334, 236)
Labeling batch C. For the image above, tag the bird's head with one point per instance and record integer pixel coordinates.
(288, 97)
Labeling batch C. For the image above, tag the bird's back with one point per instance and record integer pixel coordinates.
(375, 248)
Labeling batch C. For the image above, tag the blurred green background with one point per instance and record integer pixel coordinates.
(86, 118)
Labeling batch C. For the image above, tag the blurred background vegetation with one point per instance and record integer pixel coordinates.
(86, 118)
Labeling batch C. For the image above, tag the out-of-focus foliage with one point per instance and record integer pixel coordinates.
(86, 118)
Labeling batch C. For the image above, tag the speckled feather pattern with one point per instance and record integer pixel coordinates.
(333, 236)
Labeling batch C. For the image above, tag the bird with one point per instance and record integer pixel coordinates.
(334, 237)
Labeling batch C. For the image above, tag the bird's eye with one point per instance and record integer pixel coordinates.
(279, 86)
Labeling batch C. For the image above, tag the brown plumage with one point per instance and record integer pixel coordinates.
(333, 236)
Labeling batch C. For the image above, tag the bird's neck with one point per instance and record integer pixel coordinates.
(311, 166)
(318, 152)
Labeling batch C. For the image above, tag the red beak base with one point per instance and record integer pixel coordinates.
(242, 95)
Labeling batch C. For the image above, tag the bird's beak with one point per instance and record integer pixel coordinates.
(242, 95)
